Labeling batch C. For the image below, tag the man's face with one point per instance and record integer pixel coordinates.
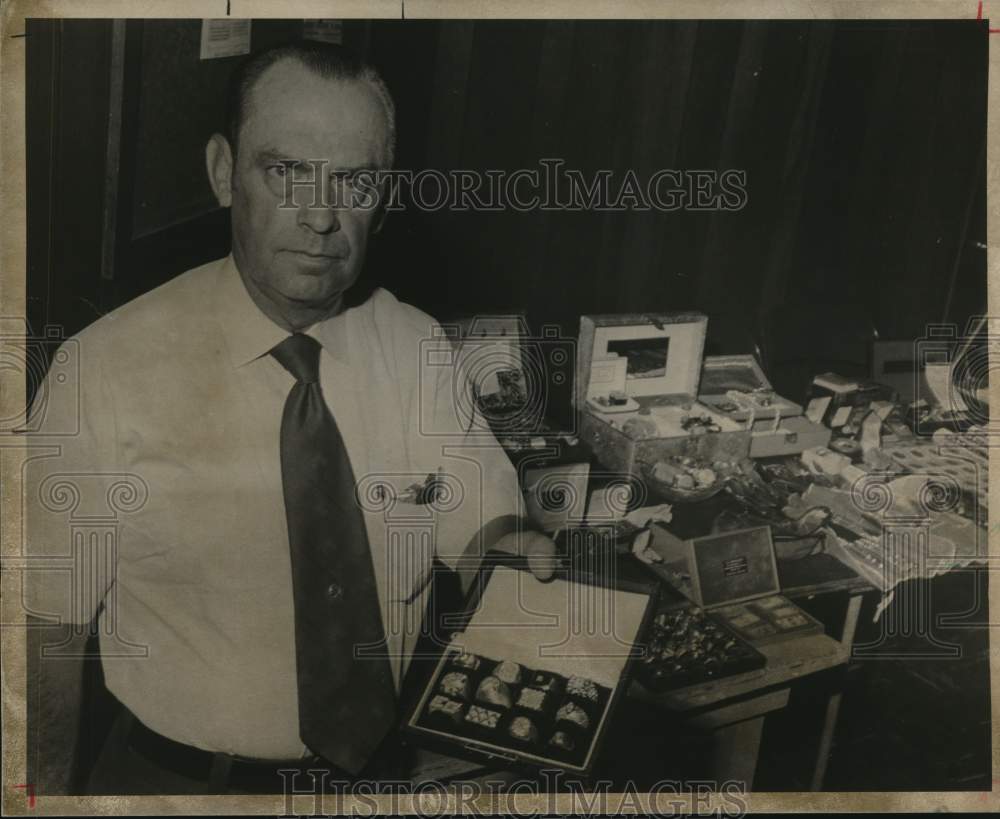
(301, 254)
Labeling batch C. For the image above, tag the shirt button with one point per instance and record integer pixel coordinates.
(333, 591)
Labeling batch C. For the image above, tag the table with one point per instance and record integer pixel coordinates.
(734, 708)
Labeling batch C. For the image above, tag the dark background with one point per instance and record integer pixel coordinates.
(863, 145)
(864, 148)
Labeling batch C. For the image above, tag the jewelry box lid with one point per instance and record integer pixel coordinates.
(662, 352)
(718, 569)
(721, 373)
(732, 567)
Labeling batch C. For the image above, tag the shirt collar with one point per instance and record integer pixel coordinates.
(249, 334)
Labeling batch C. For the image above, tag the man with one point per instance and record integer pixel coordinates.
(261, 612)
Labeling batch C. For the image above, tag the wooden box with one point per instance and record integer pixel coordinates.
(722, 374)
(786, 436)
(636, 387)
(737, 386)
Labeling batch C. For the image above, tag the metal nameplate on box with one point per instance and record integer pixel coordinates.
(786, 436)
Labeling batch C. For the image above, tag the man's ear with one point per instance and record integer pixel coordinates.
(379, 220)
(219, 163)
(386, 192)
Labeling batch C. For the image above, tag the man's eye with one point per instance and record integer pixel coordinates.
(349, 180)
(278, 169)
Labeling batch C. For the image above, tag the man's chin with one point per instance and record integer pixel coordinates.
(311, 289)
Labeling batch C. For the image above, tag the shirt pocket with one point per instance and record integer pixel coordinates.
(402, 534)
(410, 540)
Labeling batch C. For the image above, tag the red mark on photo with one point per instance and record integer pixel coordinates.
(29, 791)
(979, 16)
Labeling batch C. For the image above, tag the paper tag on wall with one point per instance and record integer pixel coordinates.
(224, 38)
(325, 31)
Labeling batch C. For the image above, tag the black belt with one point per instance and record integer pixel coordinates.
(221, 772)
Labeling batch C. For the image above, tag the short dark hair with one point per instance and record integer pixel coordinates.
(328, 60)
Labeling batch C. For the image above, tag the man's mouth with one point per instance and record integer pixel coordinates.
(319, 258)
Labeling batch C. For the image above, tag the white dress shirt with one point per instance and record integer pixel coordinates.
(178, 414)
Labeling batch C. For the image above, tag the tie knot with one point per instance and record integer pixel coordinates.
(299, 354)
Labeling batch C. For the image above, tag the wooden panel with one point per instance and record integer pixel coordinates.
(871, 62)
(736, 257)
(498, 107)
(779, 268)
(586, 140)
(41, 102)
(718, 246)
(550, 98)
(179, 108)
(665, 76)
(167, 222)
(849, 133)
(66, 125)
(956, 184)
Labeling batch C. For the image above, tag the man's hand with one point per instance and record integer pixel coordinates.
(536, 547)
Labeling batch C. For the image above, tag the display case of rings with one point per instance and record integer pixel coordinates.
(536, 674)
(733, 576)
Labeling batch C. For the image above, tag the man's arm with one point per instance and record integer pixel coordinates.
(508, 534)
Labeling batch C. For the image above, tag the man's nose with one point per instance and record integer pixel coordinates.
(319, 218)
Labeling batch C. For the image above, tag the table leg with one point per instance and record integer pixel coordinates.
(737, 729)
(850, 623)
(825, 741)
(736, 751)
(833, 701)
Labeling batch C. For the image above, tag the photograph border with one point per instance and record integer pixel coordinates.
(18, 797)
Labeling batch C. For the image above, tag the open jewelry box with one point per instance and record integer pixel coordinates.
(535, 675)
(737, 386)
(688, 646)
(733, 576)
(636, 387)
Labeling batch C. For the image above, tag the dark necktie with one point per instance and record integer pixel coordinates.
(346, 701)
